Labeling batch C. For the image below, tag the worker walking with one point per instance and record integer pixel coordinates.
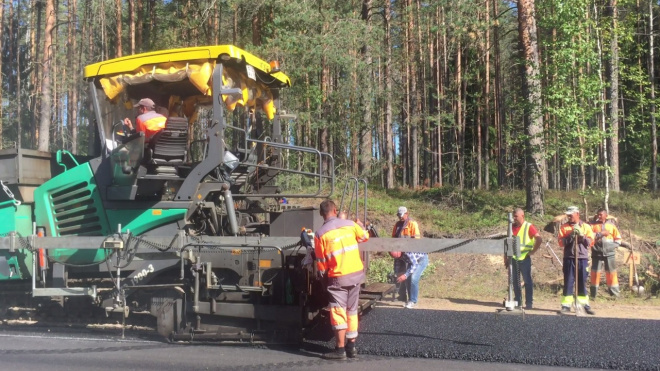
(529, 240)
(575, 237)
(607, 239)
(338, 262)
(414, 263)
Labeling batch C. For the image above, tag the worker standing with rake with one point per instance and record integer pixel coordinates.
(576, 238)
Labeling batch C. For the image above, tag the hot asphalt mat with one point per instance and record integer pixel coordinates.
(564, 341)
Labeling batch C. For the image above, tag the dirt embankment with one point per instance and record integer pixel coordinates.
(471, 282)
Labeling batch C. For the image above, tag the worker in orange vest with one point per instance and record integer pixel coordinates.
(575, 235)
(148, 120)
(338, 262)
(607, 239)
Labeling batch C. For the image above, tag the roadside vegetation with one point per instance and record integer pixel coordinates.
(448, 212)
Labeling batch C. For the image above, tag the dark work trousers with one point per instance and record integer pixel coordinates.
(400, 267)
(569, 276)
(524, 268)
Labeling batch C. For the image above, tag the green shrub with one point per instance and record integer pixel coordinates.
(381, 267)
(652, 284)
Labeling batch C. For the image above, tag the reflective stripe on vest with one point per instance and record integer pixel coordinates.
(526, 243)
(151, 122)
(339, 249)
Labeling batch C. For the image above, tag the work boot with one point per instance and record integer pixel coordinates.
(351, 350)
(593, 291)
(565, 310)
(615, 291)
(339, 354)
(589, 310)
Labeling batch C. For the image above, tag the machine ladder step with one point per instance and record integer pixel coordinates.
(65, 291)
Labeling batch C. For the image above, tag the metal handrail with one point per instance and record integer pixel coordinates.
(318, 175)
(354, 196)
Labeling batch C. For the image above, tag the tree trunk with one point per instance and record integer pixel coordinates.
(366, 140)
(44, 123)
(613, 65)
(458, 125)
(442, 99)
(152, 22)
(19, 106)
(434, 106)
(67, 89)
(91, 127)
(35, 42)
(216, 23)
(104, 37)
(118, 52)
(73, 104)
(406, 112)
(131, 24)
(498, 101)
(58, 140)
(486, 124)
(139, 20)
(654, 135)
(421, 96)
(256, 28)
(11, 42)
(323, 137)
(234, 34)
(413, 91)
(532, 115)
(389, 154)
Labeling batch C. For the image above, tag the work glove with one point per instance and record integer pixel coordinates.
(577, 232)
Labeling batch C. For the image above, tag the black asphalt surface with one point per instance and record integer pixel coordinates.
(559, 341)
(390, 339)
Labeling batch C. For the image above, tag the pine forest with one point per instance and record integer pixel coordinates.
(471, 94)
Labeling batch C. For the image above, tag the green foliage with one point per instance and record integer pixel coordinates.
(336, 62)
(650, 276)
(574, 87)
(381, 267)
(637, 181)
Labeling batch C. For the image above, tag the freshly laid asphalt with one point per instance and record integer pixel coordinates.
(558, 341)
(390, 339)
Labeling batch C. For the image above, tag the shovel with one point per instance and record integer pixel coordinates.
(637, 289)
(579, 310)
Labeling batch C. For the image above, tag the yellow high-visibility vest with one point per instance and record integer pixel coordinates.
(525, 242)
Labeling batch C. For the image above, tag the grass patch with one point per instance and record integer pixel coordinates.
(381, 268)
(450, 212)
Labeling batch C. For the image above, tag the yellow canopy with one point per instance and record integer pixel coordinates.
(196, 65)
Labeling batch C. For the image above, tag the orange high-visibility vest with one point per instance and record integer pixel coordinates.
(565, 232)
(150, 123)
(410, 229)
(336, 247)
